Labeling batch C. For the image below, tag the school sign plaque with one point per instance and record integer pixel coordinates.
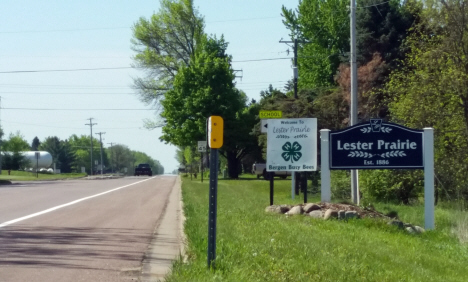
(376, 145)
(292, 144)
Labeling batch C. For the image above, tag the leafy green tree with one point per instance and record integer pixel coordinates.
(61, 151)
(15, 143)
(163, 44)
(12, 148)
(35, 144)
(81, 147)
(431, 90)
(141, 157)
(203, 89)
(124, 159)
(322, 28)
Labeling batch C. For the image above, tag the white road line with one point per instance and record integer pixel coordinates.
(67, 204)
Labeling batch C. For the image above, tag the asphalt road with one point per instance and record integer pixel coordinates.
(79, 230)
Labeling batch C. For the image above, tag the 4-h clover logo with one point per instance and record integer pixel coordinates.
(291, 152)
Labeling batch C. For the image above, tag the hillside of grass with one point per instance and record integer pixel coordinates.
(253, 245)
(31, 176)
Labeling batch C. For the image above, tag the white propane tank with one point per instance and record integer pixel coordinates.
(44, 161)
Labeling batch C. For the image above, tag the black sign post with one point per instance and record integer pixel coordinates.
(212, 208)
(215, 141)
(376, 145)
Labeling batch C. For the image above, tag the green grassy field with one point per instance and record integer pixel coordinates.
(30, 176)
(255, 246)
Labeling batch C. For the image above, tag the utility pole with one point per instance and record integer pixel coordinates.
(354, 100)
(91, 127)
(112, 156)
(295, 70)
(100, 141)
(296, 176)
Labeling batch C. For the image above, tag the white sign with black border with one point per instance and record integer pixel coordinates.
(202, 146)
(292, 144)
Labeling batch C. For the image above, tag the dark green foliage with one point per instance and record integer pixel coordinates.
(14, 161)
(382, 28)
(62, 153)
(397, 186)
(35, 144)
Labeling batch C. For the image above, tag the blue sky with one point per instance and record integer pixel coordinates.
(65, 35)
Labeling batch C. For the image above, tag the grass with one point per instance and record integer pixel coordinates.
(31, 176)
(255, 246)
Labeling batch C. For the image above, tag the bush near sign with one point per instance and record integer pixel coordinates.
(376, 145)
(271, 114)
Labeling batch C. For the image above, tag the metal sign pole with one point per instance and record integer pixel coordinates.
(293, 185)
(215, 132)
(272, 186)
(325, 191)
(212, 213)
(202, 167)
(304, 186)
(429, 178)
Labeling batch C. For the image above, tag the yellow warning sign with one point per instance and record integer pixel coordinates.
(271, 114)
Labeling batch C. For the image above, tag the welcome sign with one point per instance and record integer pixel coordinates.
(376, 145)
(292, 144)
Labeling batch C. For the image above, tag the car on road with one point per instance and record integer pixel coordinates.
(143, 169)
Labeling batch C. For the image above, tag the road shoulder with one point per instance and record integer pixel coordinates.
(168, 242)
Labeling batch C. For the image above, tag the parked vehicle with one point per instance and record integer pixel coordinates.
(143, 169)
(259, 169)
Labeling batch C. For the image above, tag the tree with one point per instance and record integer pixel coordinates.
(35, 144)
(81, 147)
(124, 158)
(202, 89)
(323, 29)
(431, 90)
(15, 143)
(13, 159)
(141, 157)
(163, 44)
(61, 151)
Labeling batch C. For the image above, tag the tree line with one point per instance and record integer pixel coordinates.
(71, 154)
(412, 70)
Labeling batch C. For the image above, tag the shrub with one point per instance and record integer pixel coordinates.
(400, 186)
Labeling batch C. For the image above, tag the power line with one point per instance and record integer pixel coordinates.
(64, 70)
(119, 68)
(119, 27)
(42, 93)
(50, 109)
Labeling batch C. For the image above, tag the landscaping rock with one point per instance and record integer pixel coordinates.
(316, 214)
(295, 210)
(397, 223)
(351, 214)
(283, 208)
(419, 229)
(311, 207)
(271, 208)
(330, 214)
(341, 214)
(410, 229)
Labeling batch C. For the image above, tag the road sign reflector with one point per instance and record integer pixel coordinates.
(215, 132)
